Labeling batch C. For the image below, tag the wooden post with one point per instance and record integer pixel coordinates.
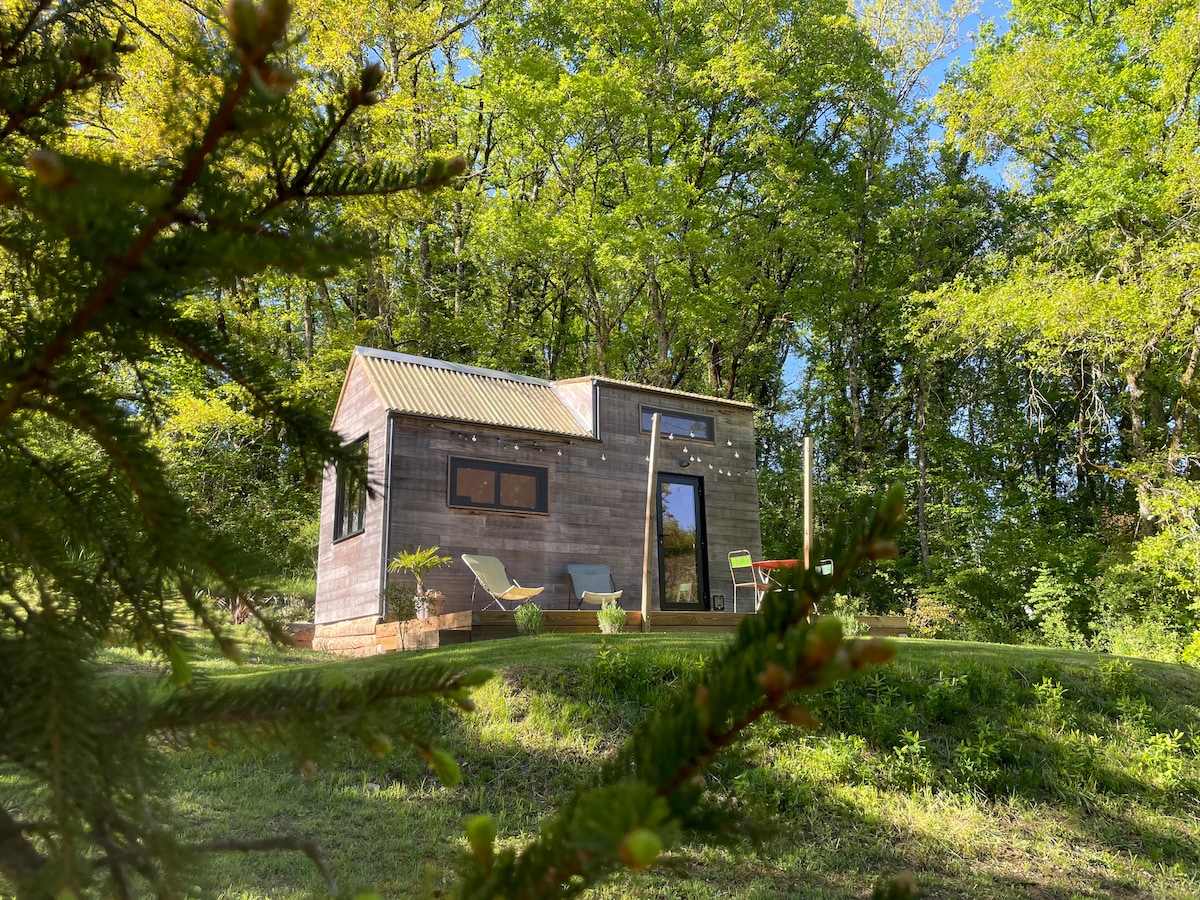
(651, 516)
(808, 523)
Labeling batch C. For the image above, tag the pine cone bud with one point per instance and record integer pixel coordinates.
(481, 835)
(372, 76)
(640, 848)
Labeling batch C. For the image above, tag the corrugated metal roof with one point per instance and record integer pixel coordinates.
(430, 388)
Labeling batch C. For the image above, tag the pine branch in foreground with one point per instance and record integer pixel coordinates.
(98, 258)
(653, 790)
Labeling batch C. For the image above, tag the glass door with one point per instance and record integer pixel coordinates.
(682, 579)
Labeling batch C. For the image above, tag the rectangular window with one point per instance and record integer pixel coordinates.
(698, 428)
(350, 499)
(478, 484)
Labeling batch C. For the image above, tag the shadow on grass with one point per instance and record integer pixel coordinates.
(994, 738)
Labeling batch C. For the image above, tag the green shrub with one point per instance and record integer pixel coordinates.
(1191, 653)
(529, 618)
(929, 617)
(399, 602)
(1151, 638)
(1060, 609)
(610, 617)
(983, 605)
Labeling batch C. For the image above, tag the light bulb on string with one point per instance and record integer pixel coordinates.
(560, 453)
(736, 455)
(473, 438)
(603, 458)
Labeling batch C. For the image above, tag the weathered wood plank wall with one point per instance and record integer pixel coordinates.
(596, 497)
(348, 571)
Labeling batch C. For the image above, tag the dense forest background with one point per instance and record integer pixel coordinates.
(983, 288)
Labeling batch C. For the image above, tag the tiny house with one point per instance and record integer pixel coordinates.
(541, 474)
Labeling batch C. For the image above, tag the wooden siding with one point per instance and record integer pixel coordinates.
(348, 572)
(597, 499)
(731, 501)
(367, 636)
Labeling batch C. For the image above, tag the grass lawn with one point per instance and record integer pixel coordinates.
(990, 771)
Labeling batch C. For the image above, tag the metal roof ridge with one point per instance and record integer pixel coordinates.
(633, 385)
(431, 363)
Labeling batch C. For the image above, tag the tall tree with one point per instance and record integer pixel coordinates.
(1096, 106)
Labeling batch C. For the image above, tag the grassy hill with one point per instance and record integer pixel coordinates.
(990, 771)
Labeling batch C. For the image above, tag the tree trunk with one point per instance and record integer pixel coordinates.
(310, 325)
(922, 401)
(1137, 434)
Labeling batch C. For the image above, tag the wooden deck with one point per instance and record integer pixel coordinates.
(368, 636)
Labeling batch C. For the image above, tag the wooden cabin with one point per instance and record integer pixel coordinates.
(537, 473)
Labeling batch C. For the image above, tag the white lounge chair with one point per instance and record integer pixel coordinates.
(490, 575)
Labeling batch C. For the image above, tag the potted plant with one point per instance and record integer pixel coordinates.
(420, 562)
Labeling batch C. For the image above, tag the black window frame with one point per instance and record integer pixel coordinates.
(351, 523)
(541, 475)
(709, 422)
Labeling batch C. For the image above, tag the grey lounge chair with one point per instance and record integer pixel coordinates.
(593, 585)
(490, 575)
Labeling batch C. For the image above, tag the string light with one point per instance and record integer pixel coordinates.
(684, 458)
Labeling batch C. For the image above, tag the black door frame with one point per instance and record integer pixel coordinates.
(701, 542)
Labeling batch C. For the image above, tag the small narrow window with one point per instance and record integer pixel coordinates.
(681, 425)
(480, 484)
(350, 503)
